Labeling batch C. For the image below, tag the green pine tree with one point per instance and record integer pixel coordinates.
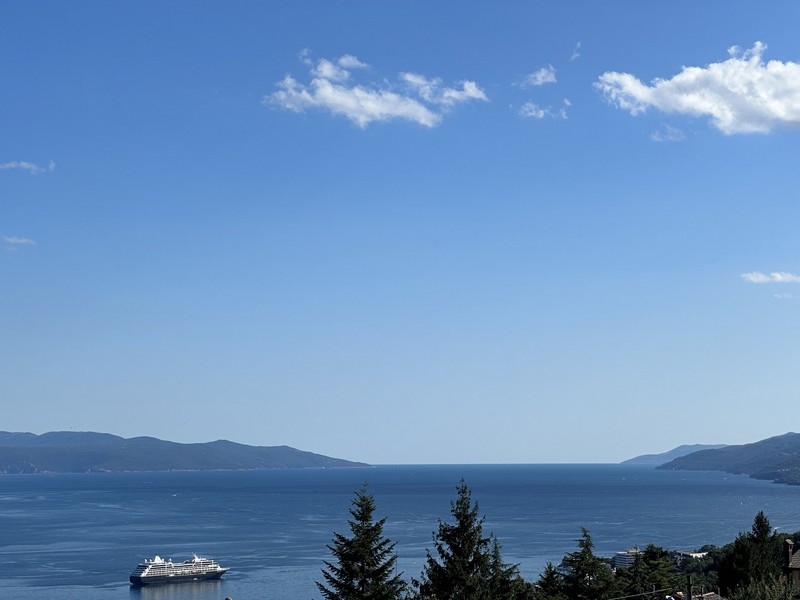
(550, 585)
(588, 577)
(652, 569)
(468, 564)
(364, 565)
(753, 557)
(766, 553)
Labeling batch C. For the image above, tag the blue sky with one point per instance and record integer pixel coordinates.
(398, 232)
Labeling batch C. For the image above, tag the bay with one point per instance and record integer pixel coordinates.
(65, 537)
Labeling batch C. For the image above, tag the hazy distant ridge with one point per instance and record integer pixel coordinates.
(776, 458)
(82, 452)
(655, 460)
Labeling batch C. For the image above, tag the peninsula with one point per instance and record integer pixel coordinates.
(775, 459)
(87, 452)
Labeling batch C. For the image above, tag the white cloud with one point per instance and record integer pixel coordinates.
(469, 91)
(775, 277)
(360, 105)
(576, 53)
(325, 69)
(418, 98)
(541, 76)
(531, 110)
(668, 134)
(18, 241)
(30, 167)
(426, 88)
(740, 95)
(305, 57)
(348, 61)
(431, 90)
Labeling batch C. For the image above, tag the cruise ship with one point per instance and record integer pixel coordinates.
(158, 570)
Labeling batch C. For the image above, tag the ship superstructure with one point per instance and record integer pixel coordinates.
(158, 570)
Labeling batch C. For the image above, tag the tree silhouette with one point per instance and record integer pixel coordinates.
(467, 564)
(364, 565)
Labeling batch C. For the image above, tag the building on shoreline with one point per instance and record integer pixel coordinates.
(626, 558)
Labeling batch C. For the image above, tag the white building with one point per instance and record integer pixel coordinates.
(621, 560)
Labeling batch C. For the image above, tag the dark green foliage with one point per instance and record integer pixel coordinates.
(550, 585)
(587, 577)
(752, 558)
(704, 570)
(659, 567)
(631, 580)
(581, 575)
(467, 565)
(766, 550)
(504, 579)
(770, 589)
(364, 566)
(653, 569)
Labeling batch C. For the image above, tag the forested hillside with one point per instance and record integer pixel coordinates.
(776, 459)
(83, 452)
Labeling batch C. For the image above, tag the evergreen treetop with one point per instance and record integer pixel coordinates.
(364, 563)
(467, 564)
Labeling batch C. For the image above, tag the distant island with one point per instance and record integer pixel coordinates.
(89, 452)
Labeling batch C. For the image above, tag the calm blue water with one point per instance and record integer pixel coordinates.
(65, 537)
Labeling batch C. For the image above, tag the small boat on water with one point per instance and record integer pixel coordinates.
(158, 570)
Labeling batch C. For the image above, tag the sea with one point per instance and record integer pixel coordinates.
(78, 536)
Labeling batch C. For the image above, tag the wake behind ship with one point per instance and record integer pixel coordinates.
(158, 570)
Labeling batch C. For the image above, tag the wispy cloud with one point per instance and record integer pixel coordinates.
(740, 95)
(23, 165)
(415, 97)
(576, 53)
(774, 277)
(531, 110)
(348, 61)
(535, 109)
(13, 243)
(668, 134)
(431, 90)
(12, 239)
(541, 76)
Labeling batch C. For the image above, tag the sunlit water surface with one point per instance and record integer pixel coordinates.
(71, 537)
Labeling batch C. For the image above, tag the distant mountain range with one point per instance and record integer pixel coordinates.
(656, 460)
(84, 452)
(776, 459)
